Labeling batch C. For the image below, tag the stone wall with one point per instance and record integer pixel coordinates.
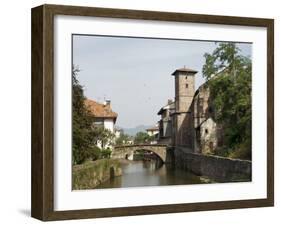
(121, 152)
(208, 133)
(219, 169)
(208, 137)
(90, 174)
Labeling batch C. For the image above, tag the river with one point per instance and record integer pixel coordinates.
(148, 173)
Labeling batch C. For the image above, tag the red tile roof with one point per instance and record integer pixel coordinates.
(100, 110)
(154, 128)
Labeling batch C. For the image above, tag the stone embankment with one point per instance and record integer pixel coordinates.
(92, 173)
(217, 168)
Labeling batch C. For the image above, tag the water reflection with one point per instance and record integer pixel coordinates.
(148, 173)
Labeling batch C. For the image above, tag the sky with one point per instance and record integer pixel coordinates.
(135, 73)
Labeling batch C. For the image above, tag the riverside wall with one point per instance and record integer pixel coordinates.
(90, 174)
(218, 168)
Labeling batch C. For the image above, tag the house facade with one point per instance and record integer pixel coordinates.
(208, 133)
(165, 123)
(153, 131)
(104, 116)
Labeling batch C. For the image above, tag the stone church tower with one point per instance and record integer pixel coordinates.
(182, 118)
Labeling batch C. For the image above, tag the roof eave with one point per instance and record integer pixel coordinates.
(188, 71)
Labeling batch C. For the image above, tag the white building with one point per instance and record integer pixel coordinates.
(103, 116)
(117, 132)
(153, 131)
(165, 123)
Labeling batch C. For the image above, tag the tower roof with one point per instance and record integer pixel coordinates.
(184, 69)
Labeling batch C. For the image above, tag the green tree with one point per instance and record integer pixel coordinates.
(81, 122)
(228, 75)
(85, 136)
(142, 138)
(97, 153)
(123, 139)
(101, 135)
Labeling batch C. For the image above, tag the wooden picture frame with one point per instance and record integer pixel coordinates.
(42, 203)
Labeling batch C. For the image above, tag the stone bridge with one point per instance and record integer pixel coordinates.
(128, 150)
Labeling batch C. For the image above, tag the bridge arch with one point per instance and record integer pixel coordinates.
(128, 150)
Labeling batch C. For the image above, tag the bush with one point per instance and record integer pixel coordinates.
(105, 153)
(95, 153)
(222, 151)
(242, 151)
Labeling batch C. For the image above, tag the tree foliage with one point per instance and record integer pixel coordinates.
(86, 136)
(81, 122)
(98, 153)
(228, 75)
(123, 139)
(142, 138)
(102, 136)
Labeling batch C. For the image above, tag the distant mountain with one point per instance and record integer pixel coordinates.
(135, 130)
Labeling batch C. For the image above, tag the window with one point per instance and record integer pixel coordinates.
(206, 131)
(186, 85)
(98, 123)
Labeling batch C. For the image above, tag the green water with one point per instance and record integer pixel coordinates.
(148, 173)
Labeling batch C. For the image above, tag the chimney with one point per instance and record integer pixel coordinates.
(107, 103)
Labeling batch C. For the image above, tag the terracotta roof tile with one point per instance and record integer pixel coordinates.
(154, 128)
(100, 110)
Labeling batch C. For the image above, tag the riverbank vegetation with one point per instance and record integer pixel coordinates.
(228, 75)
(143, 138)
